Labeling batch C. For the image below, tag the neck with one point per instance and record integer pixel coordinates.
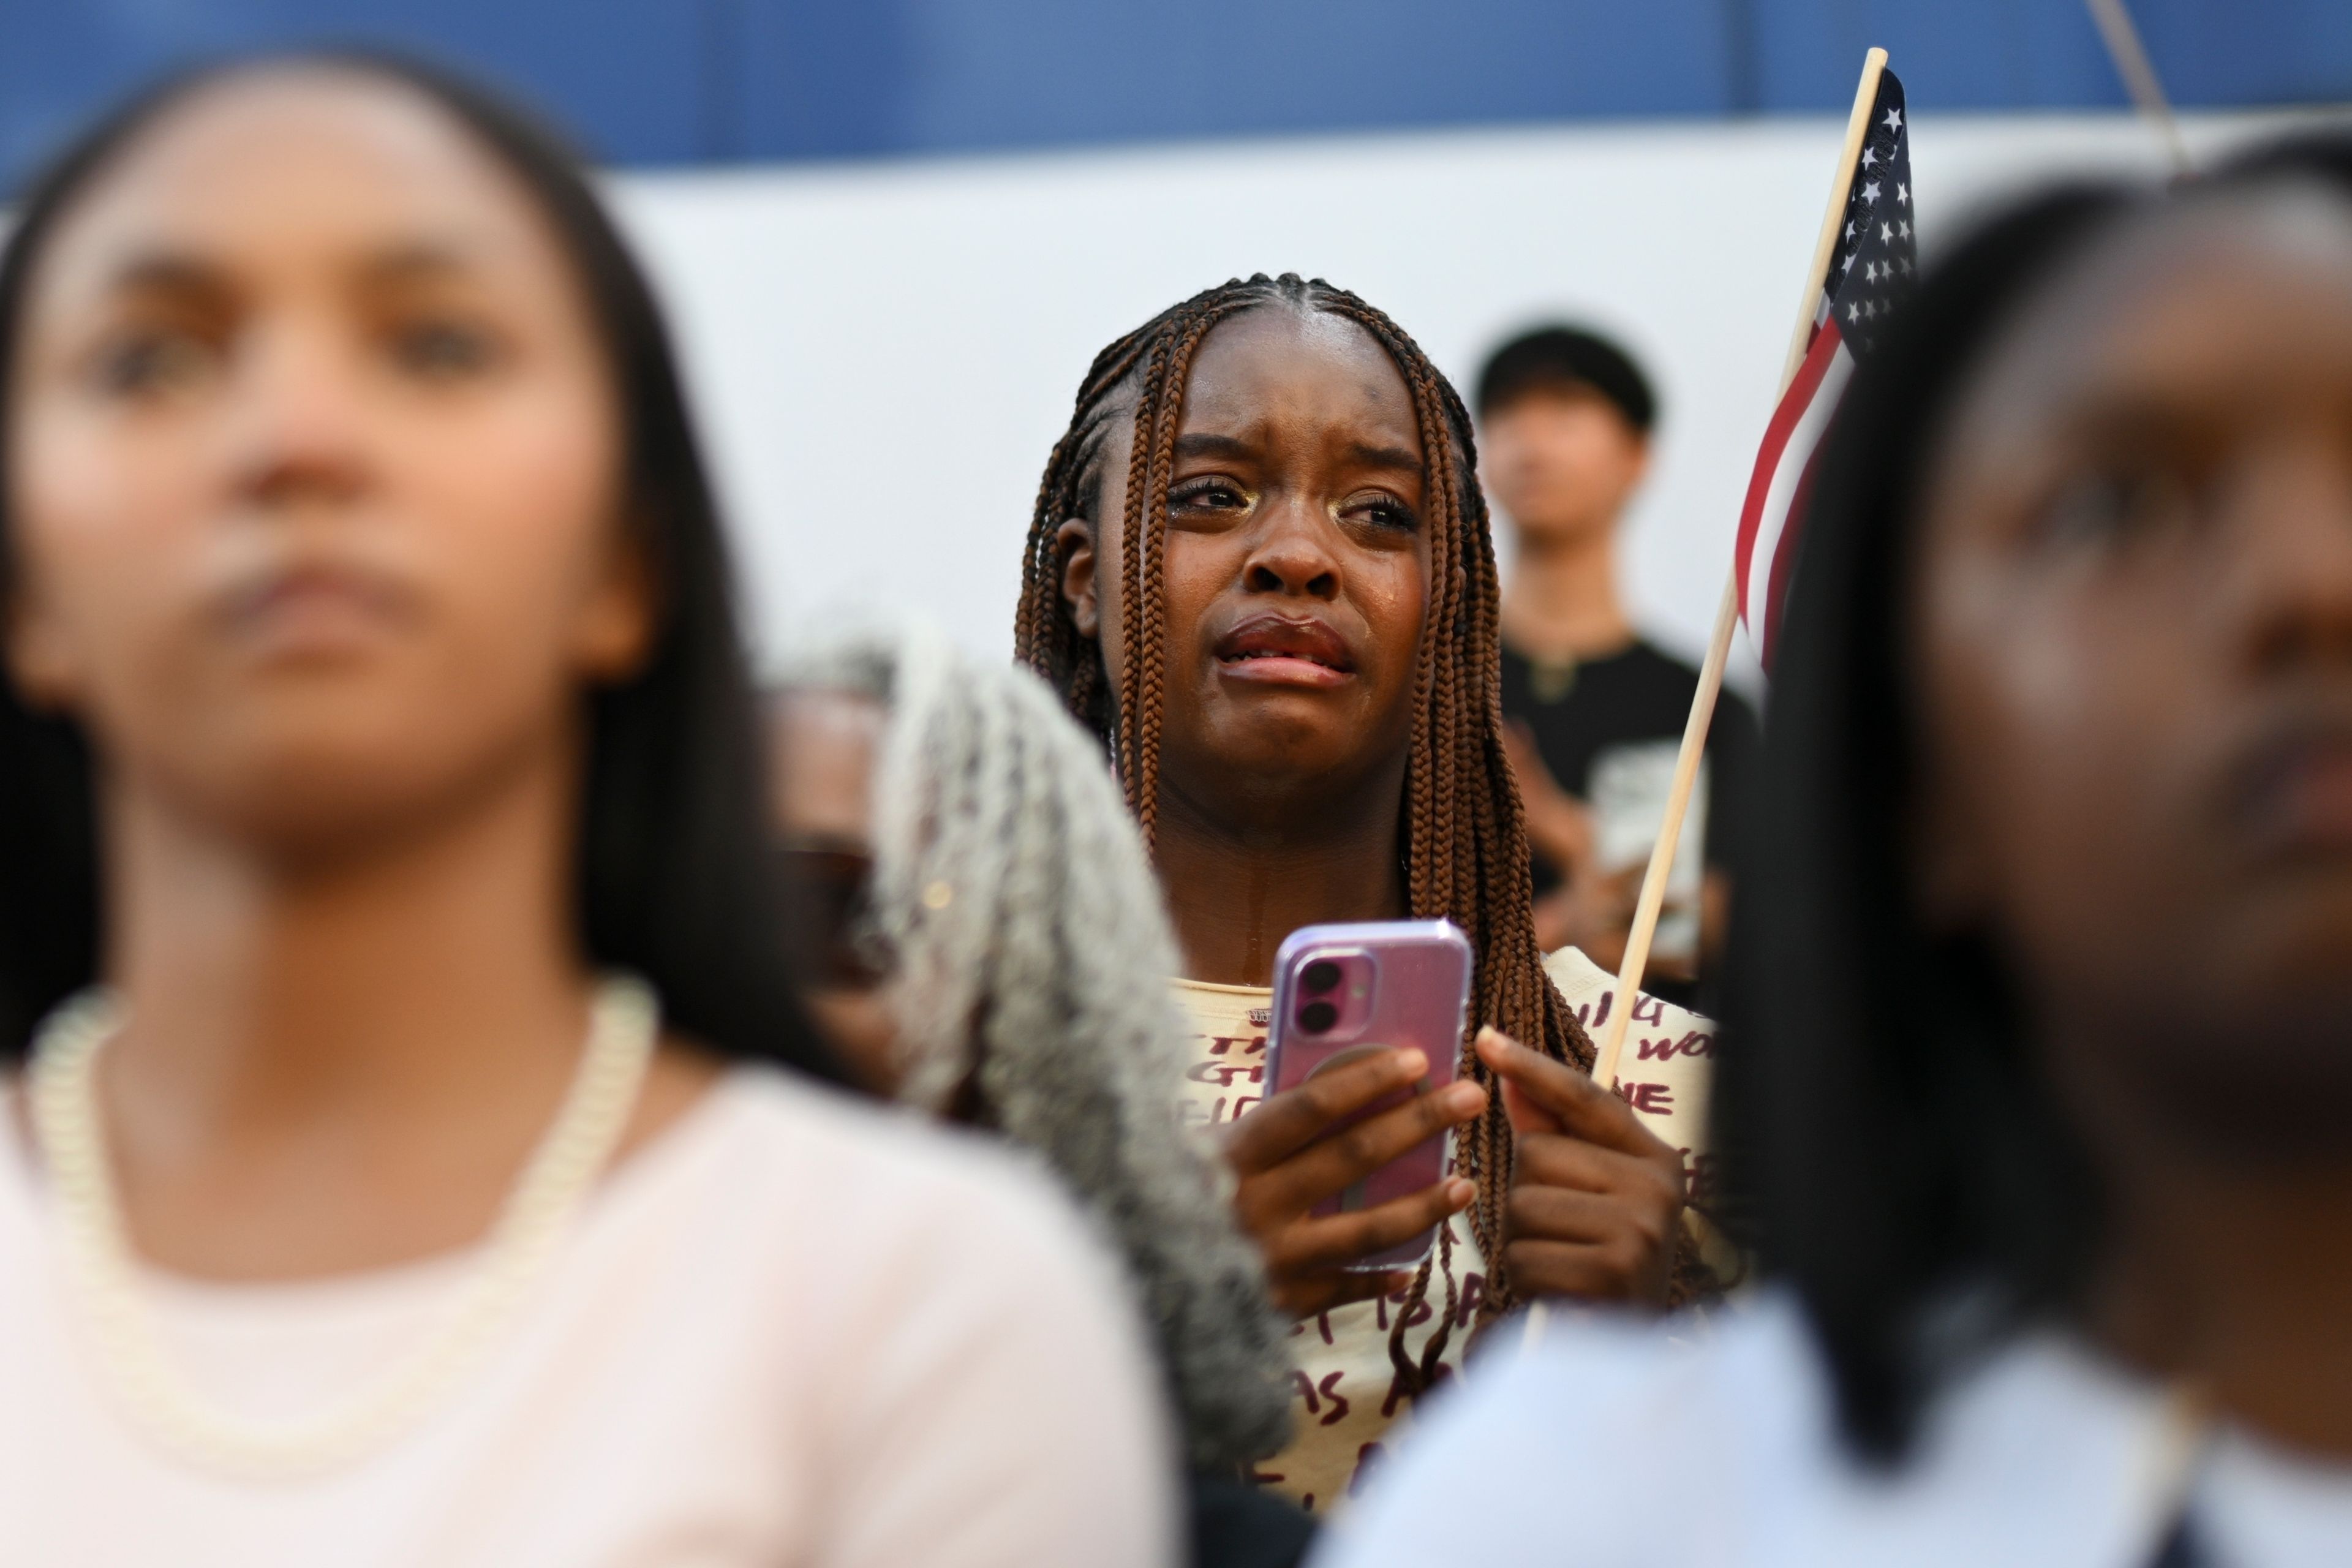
(1562, 600)
(429, 971)
(2237, 1277)
(1240, 880)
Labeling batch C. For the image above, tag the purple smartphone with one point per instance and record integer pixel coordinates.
(1342, 992)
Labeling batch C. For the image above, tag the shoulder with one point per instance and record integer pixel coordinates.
(1717, 1444)
(1662, 671)
(1652, 666)
(893, 1205)
(1212, 1008)
(1590, 992)
(787, 1132)
(874, 1185)
(1578, 978)
(1614, 1425)
(935, 1283)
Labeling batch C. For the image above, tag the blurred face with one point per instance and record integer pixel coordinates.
(823, 747)
(1561, 462)
(2134, 628)
(1297, 564)
(313, 466)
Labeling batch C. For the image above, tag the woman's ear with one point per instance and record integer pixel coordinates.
(615, 632)
(1075, 543)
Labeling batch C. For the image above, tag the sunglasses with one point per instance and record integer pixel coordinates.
(828, 902)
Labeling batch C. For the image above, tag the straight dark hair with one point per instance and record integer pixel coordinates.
(1885, 1146)
(1889, 1148)
(671, 868)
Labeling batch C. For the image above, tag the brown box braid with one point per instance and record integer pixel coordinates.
(1466, 850)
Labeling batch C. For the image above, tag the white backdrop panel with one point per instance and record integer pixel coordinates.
(882, 356)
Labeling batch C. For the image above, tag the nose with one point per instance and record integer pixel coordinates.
(299, 433)
(1292, 553)
(2290, 581)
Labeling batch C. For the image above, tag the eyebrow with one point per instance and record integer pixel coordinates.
(171, 271)
(1385, 458)
(418, 258)
(166, 271)
(1205, 444)
(1202, 444)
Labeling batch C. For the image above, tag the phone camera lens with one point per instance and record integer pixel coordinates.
(1318, 977)
(1317, 1016)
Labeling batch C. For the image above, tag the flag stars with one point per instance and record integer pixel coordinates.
(1874, 261)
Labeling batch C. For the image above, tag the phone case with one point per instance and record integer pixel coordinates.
(1341, 991)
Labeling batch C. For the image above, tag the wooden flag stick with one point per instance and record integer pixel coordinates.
(2140, 81)
(1727, 618)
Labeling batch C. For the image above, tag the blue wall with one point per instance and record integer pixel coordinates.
(667, 81)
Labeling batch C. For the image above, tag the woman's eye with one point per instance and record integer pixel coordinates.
(1383, 511)
(152, 361)
(442, 350)
(1210, 497)
(2119, 505)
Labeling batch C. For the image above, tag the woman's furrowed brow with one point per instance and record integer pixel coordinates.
(1364, 454)
(1205, 444)
(1377, 457)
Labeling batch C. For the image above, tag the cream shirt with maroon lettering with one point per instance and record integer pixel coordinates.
(1346, 1401)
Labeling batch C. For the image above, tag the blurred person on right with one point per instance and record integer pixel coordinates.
(2041, 1064)
(1594, 710)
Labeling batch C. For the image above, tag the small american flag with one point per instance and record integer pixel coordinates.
(1870, 272)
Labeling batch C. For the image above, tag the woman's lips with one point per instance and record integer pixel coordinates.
(309, 612)
(2300, 802)
(1282, 669)
(1275, 651)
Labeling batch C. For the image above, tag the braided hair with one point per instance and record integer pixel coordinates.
(1026, 936)
(1466, 845)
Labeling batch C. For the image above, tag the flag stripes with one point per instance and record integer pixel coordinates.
(1782, 479)
(1869, 272)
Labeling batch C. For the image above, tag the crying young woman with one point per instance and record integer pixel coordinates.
(1260, 569)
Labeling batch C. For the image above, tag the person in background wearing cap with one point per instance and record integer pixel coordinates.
(1594, 711)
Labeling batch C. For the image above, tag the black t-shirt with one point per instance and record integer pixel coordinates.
(1580, 712)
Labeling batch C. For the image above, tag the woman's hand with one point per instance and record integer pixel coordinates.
(1596, 1200)
(1287, 1166)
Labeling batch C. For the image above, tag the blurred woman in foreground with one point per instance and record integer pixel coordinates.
(981, 935)
(2061, 776)
(373, 732)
